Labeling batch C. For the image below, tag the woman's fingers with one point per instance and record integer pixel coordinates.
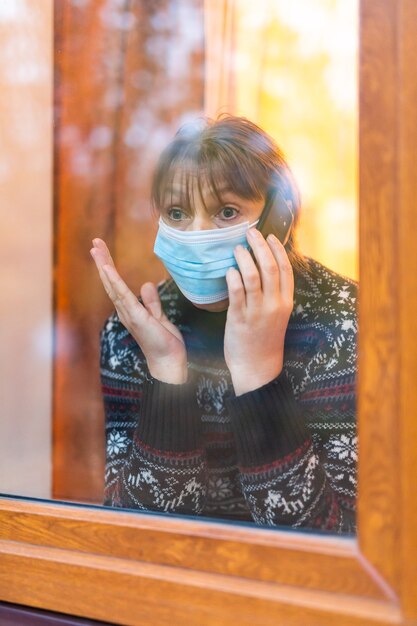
(100, 260)
(274, 266)
(267, 263)
(286, 275)
(125, 301)
(129, 309)
(102, 257)
(151, 300)
(250, 275)
(160, 341)
(100, 245)
(131, 313)
(237, 298)
(269, 279)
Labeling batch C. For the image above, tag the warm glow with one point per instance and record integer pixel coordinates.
(26, 79)
(292, 68)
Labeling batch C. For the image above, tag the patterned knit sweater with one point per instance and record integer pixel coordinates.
(283, 454)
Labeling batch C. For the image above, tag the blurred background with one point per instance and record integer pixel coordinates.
(90, 92)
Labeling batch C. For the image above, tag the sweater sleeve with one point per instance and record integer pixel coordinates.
(297, 457)
(154, 456)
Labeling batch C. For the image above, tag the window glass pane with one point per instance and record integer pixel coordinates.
(240, 410)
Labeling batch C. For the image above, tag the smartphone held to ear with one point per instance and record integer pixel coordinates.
(277, 217)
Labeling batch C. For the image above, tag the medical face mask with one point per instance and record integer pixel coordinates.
(198, 260)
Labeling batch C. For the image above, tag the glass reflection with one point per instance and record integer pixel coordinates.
(127, 75)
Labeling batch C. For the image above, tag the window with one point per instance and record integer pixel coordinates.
(63, 557)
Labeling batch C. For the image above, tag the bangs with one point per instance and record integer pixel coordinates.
(216, 167)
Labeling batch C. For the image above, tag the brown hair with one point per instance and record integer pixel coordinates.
(229, 151)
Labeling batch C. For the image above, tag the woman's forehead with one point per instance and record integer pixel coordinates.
(188, 182)
(202, 187)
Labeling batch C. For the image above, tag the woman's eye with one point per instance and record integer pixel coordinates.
(175, 214)
(228, 212)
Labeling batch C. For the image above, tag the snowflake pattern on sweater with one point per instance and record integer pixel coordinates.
(284, 454)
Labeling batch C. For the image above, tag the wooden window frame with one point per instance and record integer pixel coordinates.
(130, 568)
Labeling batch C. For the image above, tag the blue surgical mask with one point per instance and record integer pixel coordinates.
(198, 260)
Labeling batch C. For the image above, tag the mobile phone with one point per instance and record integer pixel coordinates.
(277, 217)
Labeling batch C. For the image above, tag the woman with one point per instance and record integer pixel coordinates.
(230, 388)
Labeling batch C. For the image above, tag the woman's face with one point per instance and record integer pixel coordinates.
(209, 212)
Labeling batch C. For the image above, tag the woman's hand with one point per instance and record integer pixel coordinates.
(161, 342)
(260, 305)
